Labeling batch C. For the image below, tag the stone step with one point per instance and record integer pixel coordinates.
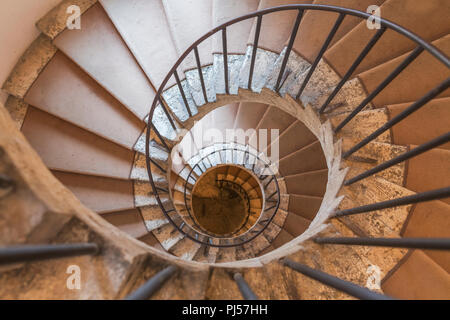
(402, 89)
(380, 223)
(98, 34)
(189, 21)
(433, 121)
(312, 183)
(129, 221)
(147, 35)
(428, 171)
(374, 154)
(67, 92)
(153, 216)
(68, 148)
(100, 194)
(316, 25)
(433, 283)
(309, 158)
(391, 44)
(185, 249)
(167, 236)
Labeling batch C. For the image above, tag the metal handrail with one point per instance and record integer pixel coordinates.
(252, 232)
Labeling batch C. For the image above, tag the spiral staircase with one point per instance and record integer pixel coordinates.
(361, 177)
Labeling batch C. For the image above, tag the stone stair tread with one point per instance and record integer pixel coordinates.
(99, 194)
(429, 171)
(391, 44)
(310, 158)
(316, 25)
(153, 217)
(381, 223)
(363, 124)
(418, 287)
(433, 121)
(189, 21)
(313, 183)
(185, 249)
(373, 154)
(430, 219)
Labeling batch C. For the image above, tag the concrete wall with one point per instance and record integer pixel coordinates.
(17, 30)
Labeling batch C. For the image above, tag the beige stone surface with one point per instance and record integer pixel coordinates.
(17, 109)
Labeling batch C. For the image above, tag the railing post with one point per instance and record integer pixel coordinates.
(29, 253)
(407, 155)
(355, 64)
(244, 288)
(152, 285)
(334, 282)
(200, 73)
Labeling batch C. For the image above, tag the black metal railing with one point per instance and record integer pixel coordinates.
(30, 253)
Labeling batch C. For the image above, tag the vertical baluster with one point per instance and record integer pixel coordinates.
(255, 47)
(200, 73)
(289, 48)
(381, 86)
(152, 285)
(225, 59)
(355, 64)
(405, 113)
